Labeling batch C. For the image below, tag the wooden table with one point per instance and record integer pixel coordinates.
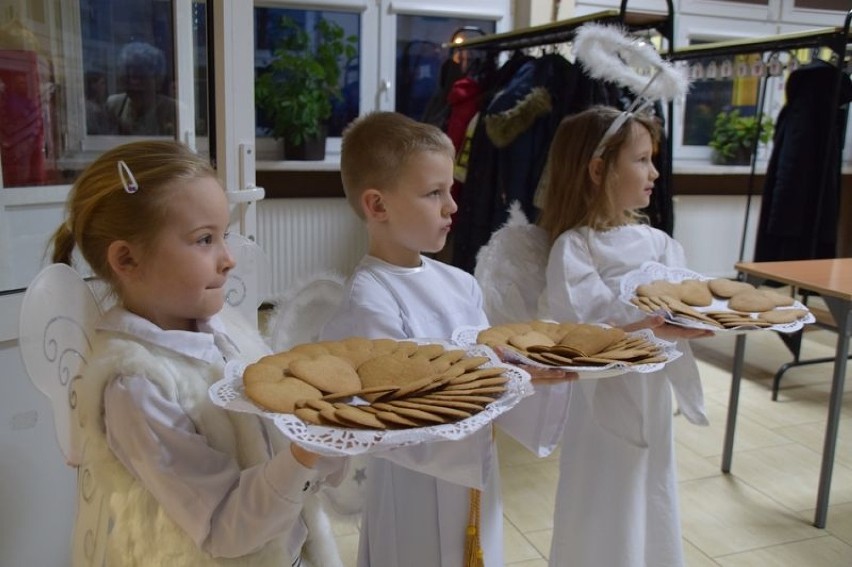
(832, 280)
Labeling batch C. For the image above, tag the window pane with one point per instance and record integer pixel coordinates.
(269, 32)
(128, 55)
(77, 78)
(720, 84)
(419, 57)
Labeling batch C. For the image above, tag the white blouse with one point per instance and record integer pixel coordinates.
(226, 511)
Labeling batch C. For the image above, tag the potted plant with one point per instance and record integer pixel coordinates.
(733, 136)
(298, 87)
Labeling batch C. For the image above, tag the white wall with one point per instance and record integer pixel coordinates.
(38, 517)
(710, 228)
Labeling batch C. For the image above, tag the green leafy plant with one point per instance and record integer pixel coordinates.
(733, 136)
(298, 87)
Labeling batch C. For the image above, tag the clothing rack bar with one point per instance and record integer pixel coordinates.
(833, 38)
(561, 31)
(543, 34)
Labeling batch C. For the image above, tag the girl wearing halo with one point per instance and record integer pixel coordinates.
(616, 502)
(167, 477)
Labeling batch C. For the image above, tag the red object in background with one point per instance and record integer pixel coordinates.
(22, 120)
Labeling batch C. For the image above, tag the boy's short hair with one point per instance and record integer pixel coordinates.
(377, 145)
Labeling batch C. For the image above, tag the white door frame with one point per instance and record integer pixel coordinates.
(233, 83)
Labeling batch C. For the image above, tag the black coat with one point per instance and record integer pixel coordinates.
(801, 194)
(498, 176)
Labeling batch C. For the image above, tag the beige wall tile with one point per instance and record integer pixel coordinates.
(541, 540)
(694, 557)
(529, 494)
(824, 551)
(789, 475)
(516, 546)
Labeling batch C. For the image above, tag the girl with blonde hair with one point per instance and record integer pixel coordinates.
(167, 477)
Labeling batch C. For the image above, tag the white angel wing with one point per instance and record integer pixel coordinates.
(304, 309)
(57, 319)
(298, 318)
(510, 269)
(249, 281)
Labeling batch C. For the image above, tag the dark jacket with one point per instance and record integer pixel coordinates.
(511, 143)
(801, 194)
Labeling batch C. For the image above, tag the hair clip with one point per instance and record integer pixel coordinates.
(127, 179)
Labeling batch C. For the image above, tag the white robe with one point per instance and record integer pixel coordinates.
(417, 500)
(617, 502)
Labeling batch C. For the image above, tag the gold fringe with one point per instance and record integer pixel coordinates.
(473, 556)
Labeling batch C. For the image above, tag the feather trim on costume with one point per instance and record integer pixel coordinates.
(502, 128)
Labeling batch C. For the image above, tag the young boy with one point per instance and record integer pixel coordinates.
(397, 175)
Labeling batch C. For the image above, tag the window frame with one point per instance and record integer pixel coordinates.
(377, 55)
(29, 213)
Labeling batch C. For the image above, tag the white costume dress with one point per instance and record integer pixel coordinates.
(417, 499)
(617, 501)
(171, 479)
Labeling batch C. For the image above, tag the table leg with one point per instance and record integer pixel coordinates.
(840, 310)
(733, 402)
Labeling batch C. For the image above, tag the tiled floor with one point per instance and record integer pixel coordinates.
(759, 515)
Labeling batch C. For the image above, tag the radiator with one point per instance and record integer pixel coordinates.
(302, 237)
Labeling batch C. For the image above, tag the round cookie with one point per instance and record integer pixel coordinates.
(282, 359)
(696, 293)
(658, 287)
(282, 395)
(428, 351)
(327, 372)
(451, 414)
(782, 316)
(358, 417)
(751, 301)
(778, 299)
(531, 338)
(725, 288)
(393, 369)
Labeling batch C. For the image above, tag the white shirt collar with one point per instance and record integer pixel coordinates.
(372, 261)
(199, 345)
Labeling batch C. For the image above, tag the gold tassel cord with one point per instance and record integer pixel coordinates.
(473, 556)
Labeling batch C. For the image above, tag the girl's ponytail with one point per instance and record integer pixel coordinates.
(63, 244)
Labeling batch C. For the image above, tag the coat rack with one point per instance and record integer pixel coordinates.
(836, 39)
(562, 31)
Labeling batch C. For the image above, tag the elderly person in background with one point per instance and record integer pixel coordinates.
(142, 109)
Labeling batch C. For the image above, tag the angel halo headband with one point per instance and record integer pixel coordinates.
(608, 54)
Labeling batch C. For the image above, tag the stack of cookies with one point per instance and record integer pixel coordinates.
(744, 305)
(572, 344)
(374, 384)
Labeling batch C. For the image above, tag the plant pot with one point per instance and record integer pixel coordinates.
(741, 157)
(312, 149)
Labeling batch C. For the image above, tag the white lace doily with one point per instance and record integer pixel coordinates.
(466, 337)
(228, 393)
(650, 271)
